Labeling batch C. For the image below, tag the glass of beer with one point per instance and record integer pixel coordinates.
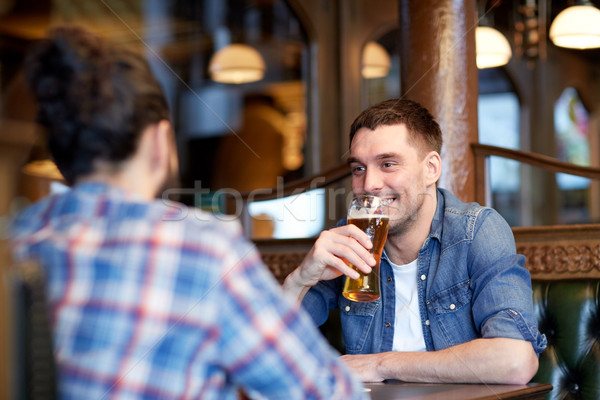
(369, 213)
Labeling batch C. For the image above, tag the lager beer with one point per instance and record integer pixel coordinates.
(375, 224)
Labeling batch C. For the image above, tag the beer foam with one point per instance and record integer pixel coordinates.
(365, 212)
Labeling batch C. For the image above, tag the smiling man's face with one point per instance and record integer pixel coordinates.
(384, 163)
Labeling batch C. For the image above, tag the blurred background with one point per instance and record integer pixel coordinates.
(262, 93)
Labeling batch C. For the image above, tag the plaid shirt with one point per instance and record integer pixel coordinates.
(157, 300)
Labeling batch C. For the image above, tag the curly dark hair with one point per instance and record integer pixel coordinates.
(94, 99)
(422, 127)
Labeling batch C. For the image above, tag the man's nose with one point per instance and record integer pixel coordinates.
(373, 182)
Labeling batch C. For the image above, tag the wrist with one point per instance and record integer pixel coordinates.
(293, 284)
(293, 280)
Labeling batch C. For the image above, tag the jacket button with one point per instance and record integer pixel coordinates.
(452, 306)
(387, 324)
(423, 277)
(389, 279)
(347, 308)
(427, 322)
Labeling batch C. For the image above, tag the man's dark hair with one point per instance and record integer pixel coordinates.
(94, 99)
(424, 131)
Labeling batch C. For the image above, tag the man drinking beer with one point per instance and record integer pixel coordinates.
(456, 300)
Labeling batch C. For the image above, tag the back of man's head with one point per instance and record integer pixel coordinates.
(94, 99)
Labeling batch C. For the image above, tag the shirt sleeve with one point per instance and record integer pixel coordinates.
(502, 294)
(321, 298)
(269, 344)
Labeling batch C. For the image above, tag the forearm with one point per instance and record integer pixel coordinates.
(494, 360)
(293, 287)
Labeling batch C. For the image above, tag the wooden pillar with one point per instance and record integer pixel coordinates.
(438, 70)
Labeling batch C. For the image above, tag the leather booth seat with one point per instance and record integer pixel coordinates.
(568, 313)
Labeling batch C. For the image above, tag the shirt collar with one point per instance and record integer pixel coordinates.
(436, 223)
(106, 189)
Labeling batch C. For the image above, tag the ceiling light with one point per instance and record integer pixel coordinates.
(375, 61)
(577, 27)
(237, 63)
(492, 48)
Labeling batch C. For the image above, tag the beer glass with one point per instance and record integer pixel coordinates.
(369, 213)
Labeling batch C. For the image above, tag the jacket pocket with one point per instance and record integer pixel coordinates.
(450, 300)
(357, 320)
(451, 316)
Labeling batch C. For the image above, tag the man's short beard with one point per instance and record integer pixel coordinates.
(399, 227)
(402, 226)
(171, 181)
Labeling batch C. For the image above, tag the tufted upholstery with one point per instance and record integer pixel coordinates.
(568, 313)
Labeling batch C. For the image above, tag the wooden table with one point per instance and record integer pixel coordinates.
(393, 390)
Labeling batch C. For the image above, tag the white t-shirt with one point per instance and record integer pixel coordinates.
(408, 331)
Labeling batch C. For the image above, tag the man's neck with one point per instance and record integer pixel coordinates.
(129, 179)
(146, 170)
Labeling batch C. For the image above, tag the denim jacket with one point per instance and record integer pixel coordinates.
(470, 283)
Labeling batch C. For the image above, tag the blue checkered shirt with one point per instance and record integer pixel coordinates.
(161, 301)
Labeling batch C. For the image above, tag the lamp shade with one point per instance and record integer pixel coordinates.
(576, 27)
(492, 48)
(237, 63)
(375, 61)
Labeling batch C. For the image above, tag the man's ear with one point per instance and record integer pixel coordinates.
(433, 167)
(161, 154)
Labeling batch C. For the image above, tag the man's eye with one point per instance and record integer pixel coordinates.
(356, 170)
(387, 165)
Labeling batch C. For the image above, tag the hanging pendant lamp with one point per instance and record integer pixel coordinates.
(493, 50)
(577, 27)
(376, 61)
(237, 63)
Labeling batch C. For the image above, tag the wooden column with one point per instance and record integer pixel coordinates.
(438, 70)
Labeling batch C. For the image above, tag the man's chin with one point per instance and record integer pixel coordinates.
(399, 227)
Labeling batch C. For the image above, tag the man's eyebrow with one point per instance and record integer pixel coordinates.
(352, 160)
(384, 156)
